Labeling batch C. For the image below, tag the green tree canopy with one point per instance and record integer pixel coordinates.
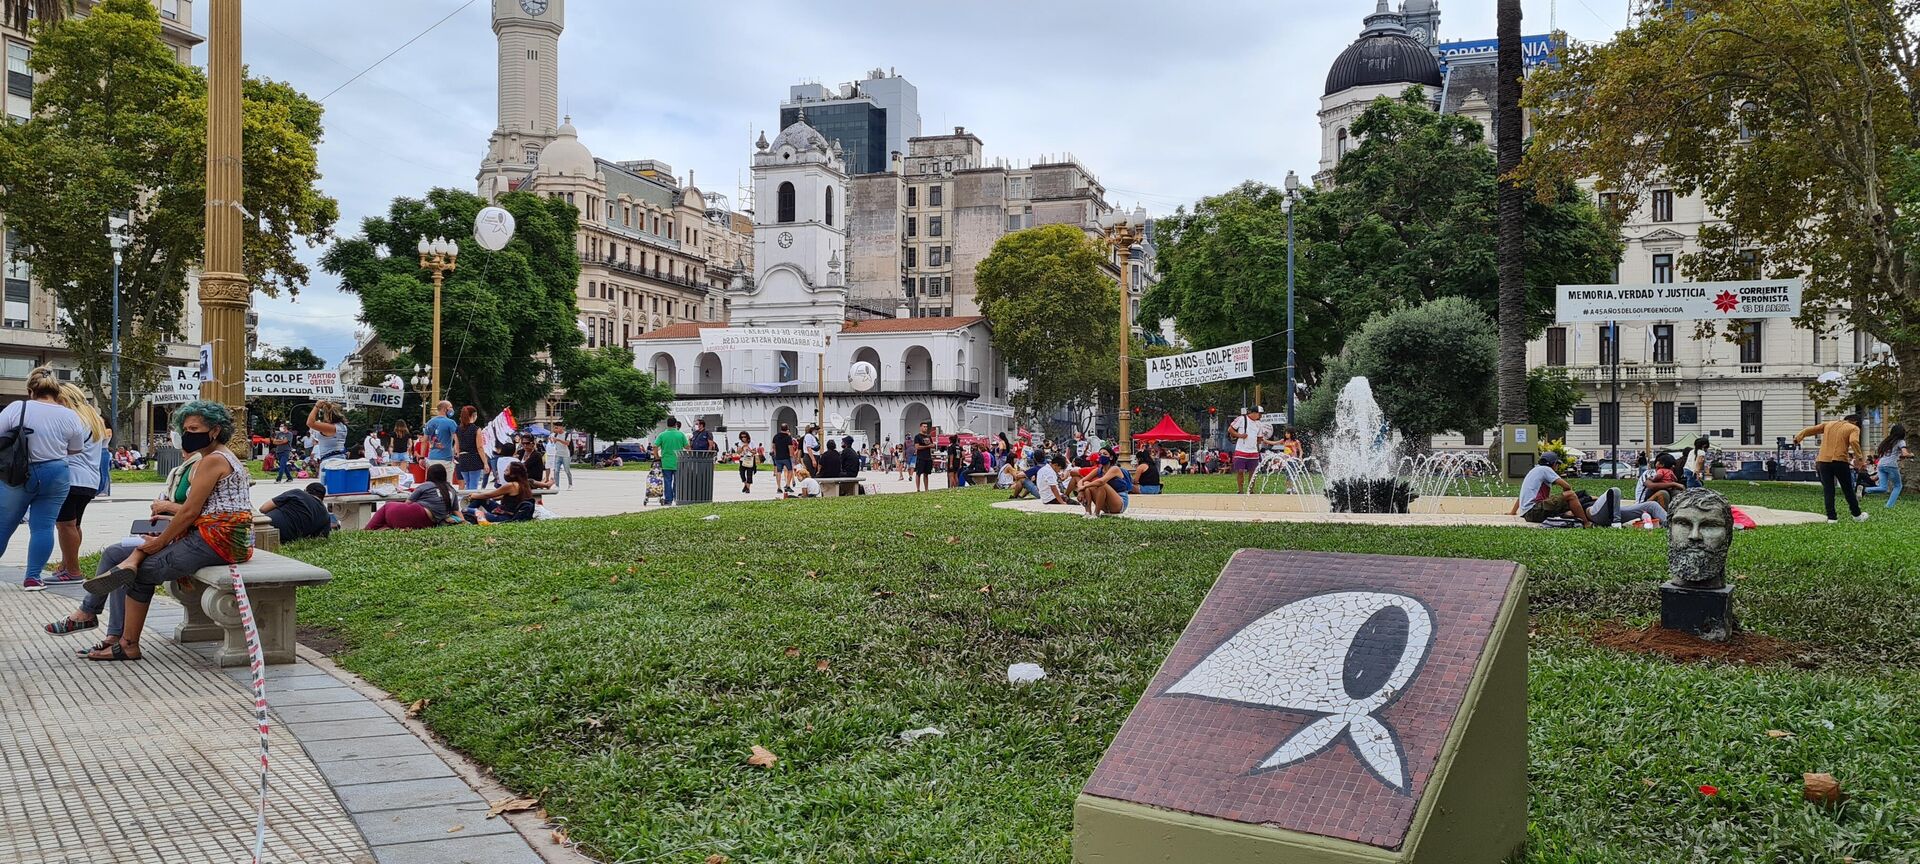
(507, 317)
(119, 125)
(609, 398)
(1055, 313)
(1431, 368)
(1551, 397)
(1790, 118)
(1410, 217)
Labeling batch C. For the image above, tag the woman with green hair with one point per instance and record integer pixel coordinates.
(213, 526)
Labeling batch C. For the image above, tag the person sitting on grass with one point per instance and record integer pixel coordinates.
(1106, 491)
(431, 504)
(1540, 500)
(300, 513)
(1660, 483)
(804, 485)
(213, 526)
(1146, 473)
(512, 500)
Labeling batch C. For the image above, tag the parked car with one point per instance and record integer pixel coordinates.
(1606, 468)
(624, 452)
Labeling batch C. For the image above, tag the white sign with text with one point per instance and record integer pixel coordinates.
(1678, 301)
(1201, 367)
(803, 340)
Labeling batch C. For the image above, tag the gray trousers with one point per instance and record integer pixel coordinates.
(181, 559)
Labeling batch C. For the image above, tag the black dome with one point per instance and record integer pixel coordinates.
(1383, 57)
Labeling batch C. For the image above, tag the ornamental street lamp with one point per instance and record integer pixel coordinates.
(438, 255)
(1123, 230)
(1286, 206)
(423, 380)
(116, 240)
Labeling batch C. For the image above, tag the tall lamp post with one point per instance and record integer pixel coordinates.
(116, 239)
(1286, 206)
(438, 255)
(1123, 229)
(225, 291)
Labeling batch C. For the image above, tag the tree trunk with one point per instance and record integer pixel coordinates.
(1513, 286)
(1909, 410)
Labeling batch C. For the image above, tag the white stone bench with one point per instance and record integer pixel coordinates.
(834, 487)
(212, 613)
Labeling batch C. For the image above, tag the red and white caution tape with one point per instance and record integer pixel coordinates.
(259, 662)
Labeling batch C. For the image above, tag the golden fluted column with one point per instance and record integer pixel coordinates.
(224, 290)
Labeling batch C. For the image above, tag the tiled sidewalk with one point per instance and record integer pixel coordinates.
(156, 761)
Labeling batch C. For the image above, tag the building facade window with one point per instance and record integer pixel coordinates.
(1663, 432)
(19, 94)
(1556, 346)
(934, 194)
(1340, 143)
(1751, 343)
(913, 196)
(1663, 205)
(913, 256)
(913, 227)
(828, 205)
(1610, 423)
(1750, 263)
(784, 207)
(1751, 421)
(1663, 343)
(1583, 415)
(1606, 344)
(933, 256)
(933, 226)
(1689, 414)
(1662, 269)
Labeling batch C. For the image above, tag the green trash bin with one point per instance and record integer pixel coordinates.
(693, 480)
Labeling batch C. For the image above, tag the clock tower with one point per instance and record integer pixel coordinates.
(799, 232)
(528, 36)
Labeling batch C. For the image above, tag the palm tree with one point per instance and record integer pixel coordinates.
(18, 11)
(1512, 264)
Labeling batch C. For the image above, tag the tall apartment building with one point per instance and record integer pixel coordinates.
(654, 250)
(870, 119)
(1742, 394)
(28, 311)
(921, 230)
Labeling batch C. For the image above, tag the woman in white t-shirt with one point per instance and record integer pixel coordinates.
(1887, 457)
(52, 433)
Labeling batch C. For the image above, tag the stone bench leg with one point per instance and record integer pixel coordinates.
(355, 517)
(196, 627)
(272, 614)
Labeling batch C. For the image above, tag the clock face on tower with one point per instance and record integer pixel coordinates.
(1420, 34)
(533, 7)
(786, 239)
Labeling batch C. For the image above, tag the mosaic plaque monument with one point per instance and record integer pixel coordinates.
(1323, 707)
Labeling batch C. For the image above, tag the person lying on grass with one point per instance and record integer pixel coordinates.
(512, 499)
(213, 526)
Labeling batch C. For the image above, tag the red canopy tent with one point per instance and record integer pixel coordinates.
(1166, 430)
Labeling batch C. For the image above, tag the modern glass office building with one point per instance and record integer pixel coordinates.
(859, 125)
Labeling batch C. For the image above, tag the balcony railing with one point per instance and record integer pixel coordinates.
(809, 387)
(653, 273)
(1629, 372)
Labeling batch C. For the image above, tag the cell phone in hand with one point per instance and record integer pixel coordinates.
(149, 527)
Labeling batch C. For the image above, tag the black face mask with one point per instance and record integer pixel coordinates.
(194, 442)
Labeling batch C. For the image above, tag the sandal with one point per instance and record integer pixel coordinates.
(106, 583)
(67, 625)
(116, 653)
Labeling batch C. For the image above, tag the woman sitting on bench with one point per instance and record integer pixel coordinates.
(213, 526)
(512, 499)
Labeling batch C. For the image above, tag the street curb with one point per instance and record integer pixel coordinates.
(538, 834)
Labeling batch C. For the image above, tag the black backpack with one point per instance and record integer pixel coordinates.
(15, 461)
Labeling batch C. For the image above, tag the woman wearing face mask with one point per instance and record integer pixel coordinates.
(214, 526)
(173, 495)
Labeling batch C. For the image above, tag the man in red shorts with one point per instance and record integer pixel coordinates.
(1249, 434)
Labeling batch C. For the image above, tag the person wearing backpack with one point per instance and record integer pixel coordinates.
(37, 434)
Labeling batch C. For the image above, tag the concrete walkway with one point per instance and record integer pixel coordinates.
(157, 761)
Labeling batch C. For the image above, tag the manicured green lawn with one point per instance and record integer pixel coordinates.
(621, 669)
(148, 475)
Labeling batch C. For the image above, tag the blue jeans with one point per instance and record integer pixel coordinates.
(473, 479)
(283, 466)
(1890, 483)
(94, 604)
(667, 475)
(1032, 488)
(39, 500)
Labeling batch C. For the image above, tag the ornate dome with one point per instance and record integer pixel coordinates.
(1384, 54)
(566, 155)
(801, 138)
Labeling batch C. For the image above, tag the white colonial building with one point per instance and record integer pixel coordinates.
(940, 369)
(1742, 395)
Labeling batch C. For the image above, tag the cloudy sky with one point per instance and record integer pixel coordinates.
(1165, 102)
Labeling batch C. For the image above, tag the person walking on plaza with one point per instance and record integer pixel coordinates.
(1249, 434)
(85, 468)
(702, 439)
(283, 454)
(559, 455)
(468, 459)
(1839, 446)
(1892, 449)
(923, 457)
(669, 445)
(748, 458)
(439, 432)
(48, 432)
(783, 459)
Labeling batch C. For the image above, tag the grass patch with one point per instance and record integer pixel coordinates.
(622, 667)
(149, 475)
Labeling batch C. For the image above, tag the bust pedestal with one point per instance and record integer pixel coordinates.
(1703, 612)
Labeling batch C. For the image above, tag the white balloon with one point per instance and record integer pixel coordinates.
(493, 228)
(863, 376)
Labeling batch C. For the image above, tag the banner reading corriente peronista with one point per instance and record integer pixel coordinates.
(1678, 301)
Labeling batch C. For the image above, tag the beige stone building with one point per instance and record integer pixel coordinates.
(654, 249)
(28, 311)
